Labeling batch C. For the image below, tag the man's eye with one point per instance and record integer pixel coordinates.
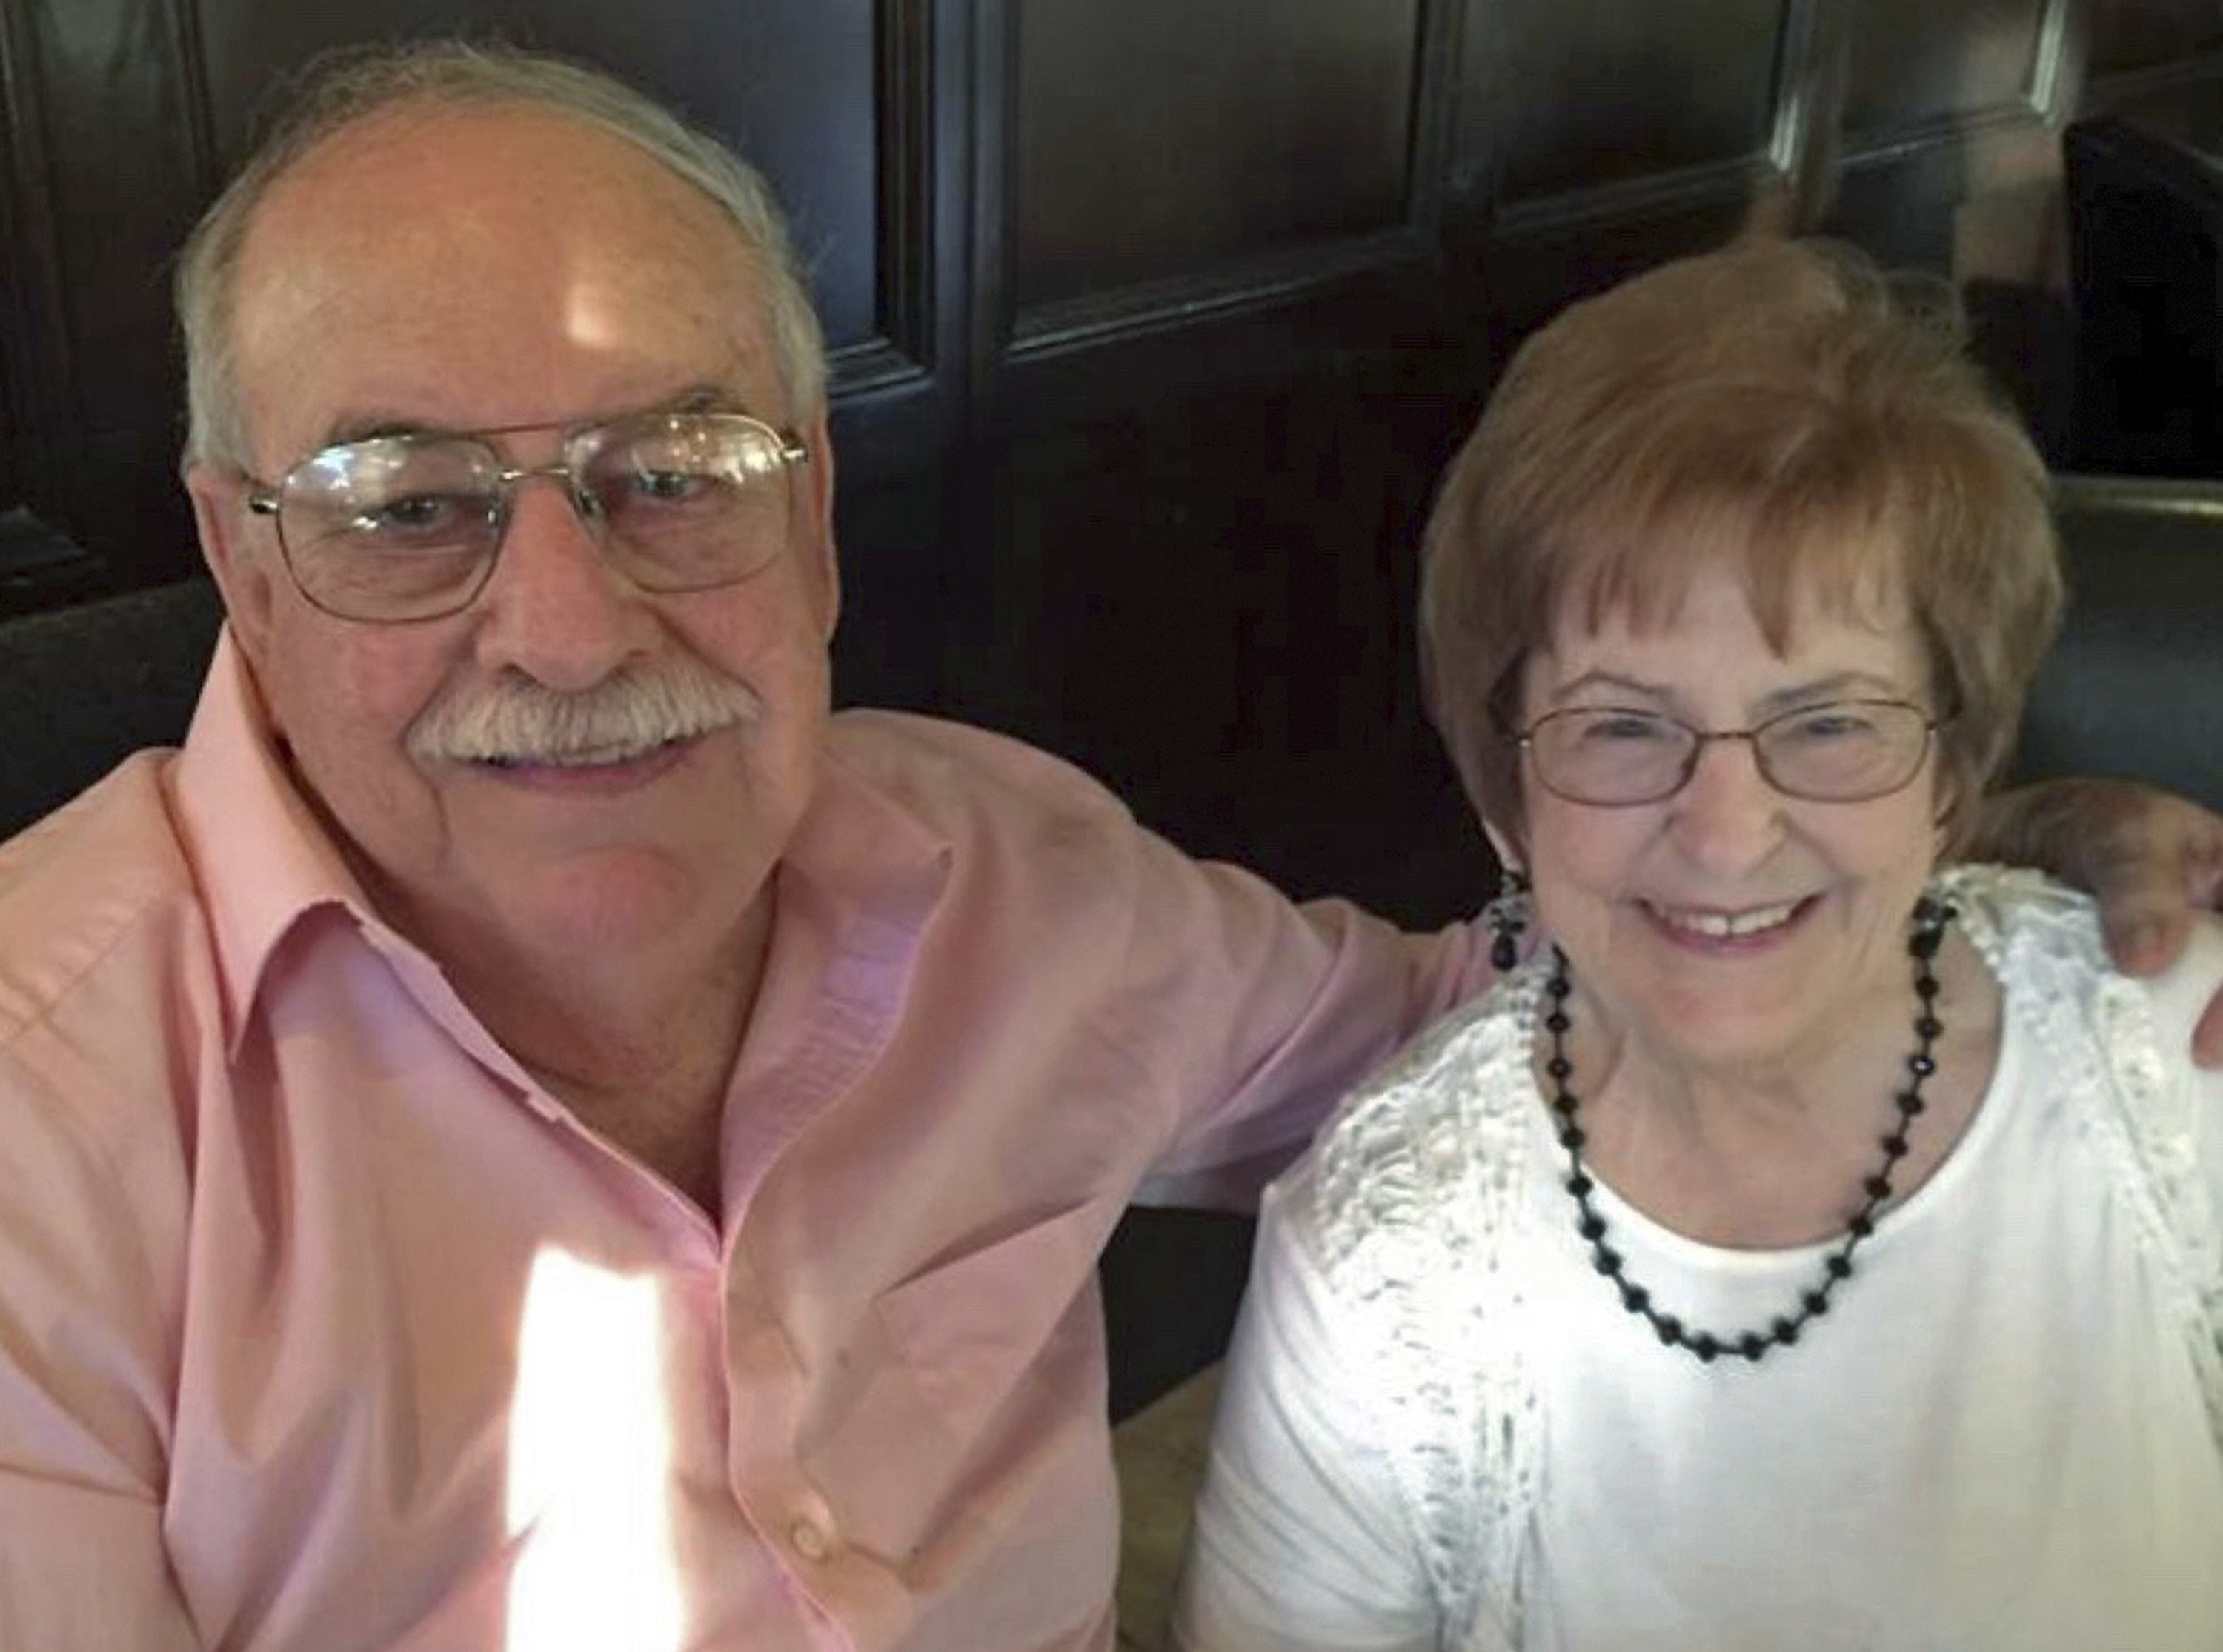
(419, 516)
(669, 486)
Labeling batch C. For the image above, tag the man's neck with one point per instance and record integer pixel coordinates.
(641, 1045)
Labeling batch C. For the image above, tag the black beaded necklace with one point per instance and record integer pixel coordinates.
(1931, 917)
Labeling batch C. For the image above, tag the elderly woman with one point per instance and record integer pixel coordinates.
(1813, 1245)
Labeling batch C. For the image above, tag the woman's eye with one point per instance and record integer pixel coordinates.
(1828, 724)
(1622, 729)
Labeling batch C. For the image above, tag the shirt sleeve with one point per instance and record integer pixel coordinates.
(83, 1390)
(1261, 1013)
(1302, 1539)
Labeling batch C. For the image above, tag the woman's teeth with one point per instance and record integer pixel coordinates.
(1726, 925)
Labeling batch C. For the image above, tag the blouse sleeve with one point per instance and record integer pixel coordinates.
(1302, 1539)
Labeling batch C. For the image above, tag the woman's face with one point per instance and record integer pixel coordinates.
(1729, 925)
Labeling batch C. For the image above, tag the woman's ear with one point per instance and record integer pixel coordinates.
(1501, 845)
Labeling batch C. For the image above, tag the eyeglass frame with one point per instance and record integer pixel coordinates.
(266, 498)
(1701, 739)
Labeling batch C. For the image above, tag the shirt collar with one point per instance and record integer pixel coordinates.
(263, 858)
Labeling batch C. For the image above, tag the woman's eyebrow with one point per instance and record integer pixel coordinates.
(1613, 680)
(1835, 685)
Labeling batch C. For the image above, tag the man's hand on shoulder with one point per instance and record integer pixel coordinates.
(2152, 859)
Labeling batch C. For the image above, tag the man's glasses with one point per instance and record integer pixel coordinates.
(396, 528)
(1843, 751)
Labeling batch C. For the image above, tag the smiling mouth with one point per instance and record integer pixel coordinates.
(589, 757)
(1715, 925)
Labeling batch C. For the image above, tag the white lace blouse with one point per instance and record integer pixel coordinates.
(1440, 1429)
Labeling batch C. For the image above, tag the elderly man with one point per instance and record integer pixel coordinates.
(528, 1133)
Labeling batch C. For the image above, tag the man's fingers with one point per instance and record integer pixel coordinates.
(2207, 1037)
(2144, 930)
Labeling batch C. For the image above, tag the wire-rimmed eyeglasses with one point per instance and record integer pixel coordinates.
(403, 527)
(1840, 751)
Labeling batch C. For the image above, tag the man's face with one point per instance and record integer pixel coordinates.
(481, 270)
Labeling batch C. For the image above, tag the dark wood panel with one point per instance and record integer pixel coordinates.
(1569, 96)
(1208, 599)
(107, 182)
(1917, 64)
(1157, 138)
(2132, 35)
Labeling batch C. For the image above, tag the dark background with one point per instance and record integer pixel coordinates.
(1153, 318)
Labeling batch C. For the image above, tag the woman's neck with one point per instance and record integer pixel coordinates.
(1769, 1153)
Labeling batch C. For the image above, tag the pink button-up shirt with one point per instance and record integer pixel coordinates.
(322, 1327)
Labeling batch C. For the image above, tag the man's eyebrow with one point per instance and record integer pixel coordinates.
(371, 423)
(369, 426)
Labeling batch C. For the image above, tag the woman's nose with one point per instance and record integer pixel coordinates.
(1727, 815)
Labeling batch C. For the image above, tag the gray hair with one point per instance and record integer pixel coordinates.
(354, 85)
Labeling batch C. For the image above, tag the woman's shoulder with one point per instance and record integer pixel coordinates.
(2044, 942)
(1427, 1153)
(2014, 917)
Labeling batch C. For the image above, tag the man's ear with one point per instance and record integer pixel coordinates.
(237, 557)
(823, 573)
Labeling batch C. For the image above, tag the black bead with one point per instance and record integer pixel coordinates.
(1929, 1026)
(1591, 1227)
(1861, 1225)
(1784, 1332)
(1751, 1344)
(1895, 1145)
(1817, 1303)
(1580, 1186)
(1668, 1328)
(1563, 1105)
(1704, 1345)
(1558, 1066)
(1911, 1104)
(1878, 1187)
(1634, 1298)
(1557, 1023)
(1558, 986)
(1922, 1064)
(1840, 1267)
(1571, 1137)
(1607, 1261)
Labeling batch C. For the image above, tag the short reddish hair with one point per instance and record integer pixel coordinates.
(1785, 404)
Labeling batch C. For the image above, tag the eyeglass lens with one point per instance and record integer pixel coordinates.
(1843, 751)
(408, 526)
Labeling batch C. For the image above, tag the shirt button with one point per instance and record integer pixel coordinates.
(808, 1540)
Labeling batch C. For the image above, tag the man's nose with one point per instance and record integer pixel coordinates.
(1727, 816)
(555, 607)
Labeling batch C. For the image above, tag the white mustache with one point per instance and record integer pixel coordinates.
(514, 719)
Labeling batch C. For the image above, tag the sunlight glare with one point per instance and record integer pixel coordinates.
(589, 1464)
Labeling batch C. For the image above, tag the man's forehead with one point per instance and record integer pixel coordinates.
(479, 267)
